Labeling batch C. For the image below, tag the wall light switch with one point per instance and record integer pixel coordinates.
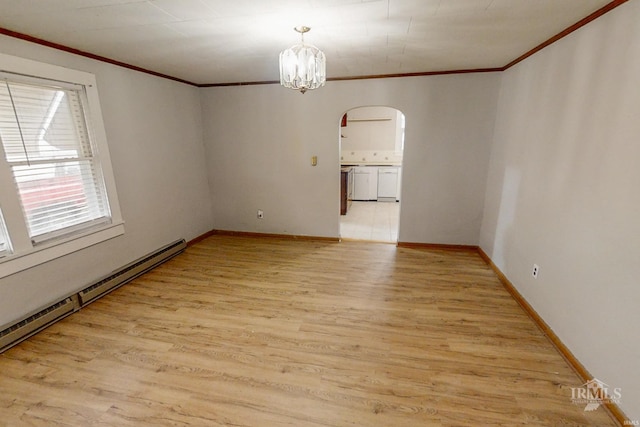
(314, 160)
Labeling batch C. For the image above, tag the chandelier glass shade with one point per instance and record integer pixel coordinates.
(302, 66)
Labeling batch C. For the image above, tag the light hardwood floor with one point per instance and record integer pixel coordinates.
(242, 331)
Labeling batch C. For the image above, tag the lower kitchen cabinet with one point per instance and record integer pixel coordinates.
(388, 184)
(365, 183)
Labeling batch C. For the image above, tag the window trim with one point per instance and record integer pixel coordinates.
(8, 250)
(26, 256)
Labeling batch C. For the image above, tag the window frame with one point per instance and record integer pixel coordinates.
(5, 242)
(27, 254)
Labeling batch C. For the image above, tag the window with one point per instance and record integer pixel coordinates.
(46, 145)
(5, 249)
(55, 175)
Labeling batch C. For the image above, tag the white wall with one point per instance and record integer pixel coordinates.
(154, 133)
(563, 193)
(260, 139)
(370, 136)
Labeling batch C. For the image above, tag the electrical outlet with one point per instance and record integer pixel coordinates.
(260, 214)
(535, 271)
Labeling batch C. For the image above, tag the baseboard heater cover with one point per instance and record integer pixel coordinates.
(34, 323)
(130, 272)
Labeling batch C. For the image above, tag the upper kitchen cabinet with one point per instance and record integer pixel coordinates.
(372, 136)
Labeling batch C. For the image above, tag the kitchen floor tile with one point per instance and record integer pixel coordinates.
(371, 221)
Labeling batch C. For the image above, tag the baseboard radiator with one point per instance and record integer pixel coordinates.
(32, 324)
(130, 272)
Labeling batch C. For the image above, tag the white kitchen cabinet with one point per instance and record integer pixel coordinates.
(388, 184)
(373, 182)
(365, 183)
(361, 186)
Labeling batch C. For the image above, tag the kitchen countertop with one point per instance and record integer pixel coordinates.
(346, 165)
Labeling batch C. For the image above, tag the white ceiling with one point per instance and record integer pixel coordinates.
(223, 41)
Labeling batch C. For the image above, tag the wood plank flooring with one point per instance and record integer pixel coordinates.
(242, 331)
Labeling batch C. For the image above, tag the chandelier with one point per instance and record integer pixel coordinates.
(303, 66)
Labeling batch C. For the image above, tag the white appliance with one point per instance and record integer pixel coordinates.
(387, 184)
(365, 183)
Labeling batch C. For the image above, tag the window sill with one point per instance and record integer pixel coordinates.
(40, 254)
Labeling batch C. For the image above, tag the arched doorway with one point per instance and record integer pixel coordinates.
(371, 153)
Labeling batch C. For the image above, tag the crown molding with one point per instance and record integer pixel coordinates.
(68, 49)
(595, 15)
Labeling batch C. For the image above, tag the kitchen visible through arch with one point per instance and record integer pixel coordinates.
(371, 151)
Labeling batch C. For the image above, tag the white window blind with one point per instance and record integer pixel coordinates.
(47, 146)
